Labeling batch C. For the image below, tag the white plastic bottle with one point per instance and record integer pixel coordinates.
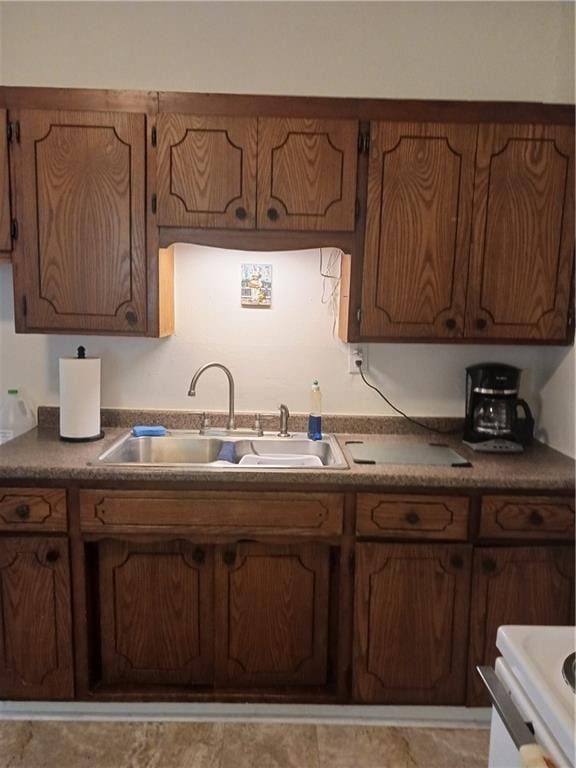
(315, 418)
(16, 416)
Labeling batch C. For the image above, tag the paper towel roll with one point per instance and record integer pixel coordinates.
(80, 398)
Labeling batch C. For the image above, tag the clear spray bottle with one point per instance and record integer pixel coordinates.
(315, 418)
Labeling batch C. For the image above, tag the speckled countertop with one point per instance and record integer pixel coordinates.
(40, 456)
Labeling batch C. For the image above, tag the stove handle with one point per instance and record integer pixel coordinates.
(531, 754)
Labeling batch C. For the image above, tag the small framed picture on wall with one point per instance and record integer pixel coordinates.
(256, 285)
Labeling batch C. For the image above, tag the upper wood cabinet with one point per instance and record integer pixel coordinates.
(207, 171)
(410, 623)
(420, 181)
(81, 201)
(265, 173)
(5, 209)
(36, 659)
(523, 244)
(272, 614)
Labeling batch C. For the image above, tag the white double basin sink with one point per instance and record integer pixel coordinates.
(239, 451)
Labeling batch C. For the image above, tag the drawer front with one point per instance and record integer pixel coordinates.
(526, 517)
(32, 509)
(412, 517)
(319, 514)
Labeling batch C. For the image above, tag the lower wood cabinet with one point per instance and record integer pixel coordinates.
(272, 614)
(411, 623)
(515, 585)
(156, 612)
(176, 613)
(35, 620)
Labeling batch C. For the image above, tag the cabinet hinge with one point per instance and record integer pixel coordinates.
(364, 142)
(14, 132)
(359, 315)
(24, 306)
(352, 560)
(367, 142)
(14, 229)
(360, 142)
(154, 203)
(154, 136)
(9, 132)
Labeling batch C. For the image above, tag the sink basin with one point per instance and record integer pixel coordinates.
(184, 448)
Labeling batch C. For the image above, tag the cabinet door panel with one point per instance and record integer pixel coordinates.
(307, 174)
(5, 214)
(523, 247)
(410, 629)
(272, 614)
(81, 202)
(35, 623)
(207, 171)
(418, 229)
(520, 585)
(156, 612)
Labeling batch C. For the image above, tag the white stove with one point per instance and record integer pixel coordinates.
(531, 671)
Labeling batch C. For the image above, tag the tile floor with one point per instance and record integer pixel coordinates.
(45, 744)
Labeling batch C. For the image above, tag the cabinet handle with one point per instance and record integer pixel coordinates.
(52, 555)
(272, 214)
(240, 213)
(456, 561)
(536, 518)
(413, 518)
(481, 323)
(131, 317)
(450, 323)
(229, 557)
(199, 556)
(488, 565)
(23, 511)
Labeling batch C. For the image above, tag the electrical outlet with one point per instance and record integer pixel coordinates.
(357, 352)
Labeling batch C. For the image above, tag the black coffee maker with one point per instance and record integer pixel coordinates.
(492, 422)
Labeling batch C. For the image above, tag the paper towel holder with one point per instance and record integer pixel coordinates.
(81, 355)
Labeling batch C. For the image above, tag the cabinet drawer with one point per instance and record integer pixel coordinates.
(212, 512)
(525, 517)
(412, 517)
(32, 509)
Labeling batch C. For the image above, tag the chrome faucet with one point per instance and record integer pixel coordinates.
(199, 372)
(284, 416)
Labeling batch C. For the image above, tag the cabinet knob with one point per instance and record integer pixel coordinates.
(272, 214)
(536, 518)
(456, 561)
(229, 557)
(23, 511)
(481, 323)
(131, 317)
(240, 213)
(199, 556)
(413, 518)
(450, 323)
(52, 555)
(488, 565)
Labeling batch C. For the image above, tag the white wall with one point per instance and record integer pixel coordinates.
(514, 51)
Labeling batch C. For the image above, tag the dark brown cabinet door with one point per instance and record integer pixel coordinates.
(418, 229)
(5, 210)
(410, 625)
(156, 613)
(82, 207)
(272, 614)
(523, 246)
(35, 624)
(307, 174)
(520, 585)
(207, 171)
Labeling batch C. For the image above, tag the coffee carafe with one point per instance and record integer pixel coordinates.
(497, 420)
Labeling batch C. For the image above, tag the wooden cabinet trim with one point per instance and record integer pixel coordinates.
(218, 512)
(42, 509)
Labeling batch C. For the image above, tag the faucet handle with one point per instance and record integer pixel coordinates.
(205, 423)
(258, 424)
